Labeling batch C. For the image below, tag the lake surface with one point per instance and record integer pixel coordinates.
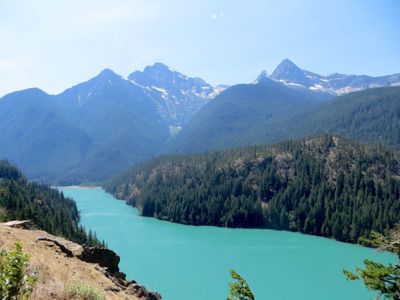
(192, 263)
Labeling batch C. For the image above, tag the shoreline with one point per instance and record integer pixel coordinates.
(94, 187)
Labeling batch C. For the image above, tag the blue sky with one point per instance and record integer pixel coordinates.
(56, 44)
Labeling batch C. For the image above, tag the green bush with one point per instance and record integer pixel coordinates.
(239, 289)
(15, 282)
(82, 290)
(384, 279)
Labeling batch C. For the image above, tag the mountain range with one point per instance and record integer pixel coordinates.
(104, 125)
(240, 114)
(243, 116)
(338, 84)
(178, 97)
(97, 127)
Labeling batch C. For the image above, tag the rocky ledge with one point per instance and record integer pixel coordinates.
(58, 261)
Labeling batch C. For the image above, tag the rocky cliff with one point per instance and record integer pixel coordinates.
(57, 261)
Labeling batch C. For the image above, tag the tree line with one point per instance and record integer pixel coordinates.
(325, 185)
(45, 206)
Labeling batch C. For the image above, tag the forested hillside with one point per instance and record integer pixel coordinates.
(240, 114)
(370, 116)
(252, 115)
(46, 207)
(94, 129)
(325, 185)
(85, 134)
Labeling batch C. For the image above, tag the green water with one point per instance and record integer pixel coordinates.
(190, 263)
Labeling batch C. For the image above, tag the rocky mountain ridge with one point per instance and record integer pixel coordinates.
(291, 75)
(98, 127)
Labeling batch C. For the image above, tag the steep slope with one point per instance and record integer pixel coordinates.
(98, 127)
(37, 136)
(58, 267)
(290, 74)
(240, 114)
(46, 207)
(178, 96)
(324, 185)
(121, 119)
(371, 116)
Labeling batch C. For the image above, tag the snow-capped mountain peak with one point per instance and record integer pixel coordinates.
(291, 75)
(178, 96)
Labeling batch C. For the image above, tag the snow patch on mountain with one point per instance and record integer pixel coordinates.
(292, 76)
(179, 97)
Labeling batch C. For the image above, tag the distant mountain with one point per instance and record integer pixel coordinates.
(37, 136)
(99, 127)
(370, 116)
(324, 185)
(241, 113)
(121, 119)
(254, 114)
(291, 75)
(177, 96)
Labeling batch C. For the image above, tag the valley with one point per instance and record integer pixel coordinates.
(100, 127)
(199, 150)
(192, 262)
(263, 158)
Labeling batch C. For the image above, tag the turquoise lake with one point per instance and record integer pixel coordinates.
(192, 263)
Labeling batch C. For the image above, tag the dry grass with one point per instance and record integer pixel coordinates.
(55, 270)
(82, 290)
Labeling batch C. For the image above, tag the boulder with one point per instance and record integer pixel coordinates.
(106, 258)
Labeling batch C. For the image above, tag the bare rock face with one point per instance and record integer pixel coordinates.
(24, 224)
(109, 260)
(106, 258)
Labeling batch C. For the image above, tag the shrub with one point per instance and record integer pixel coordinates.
(82, 290)
(239, 289)
(15, 282)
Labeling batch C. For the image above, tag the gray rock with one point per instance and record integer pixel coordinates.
(24, 224)
(106, 258)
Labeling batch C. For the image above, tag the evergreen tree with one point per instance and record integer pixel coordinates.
(325, 185)
(45, 206)
(385, 279)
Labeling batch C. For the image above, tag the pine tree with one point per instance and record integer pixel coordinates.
(385, 279)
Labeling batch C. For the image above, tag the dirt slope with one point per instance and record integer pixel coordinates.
(57, 266)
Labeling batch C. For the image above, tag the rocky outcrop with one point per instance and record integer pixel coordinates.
(107, 261)
(24, 224)
(62, 248)
(59, 260)
(106, 258)
(130, 287)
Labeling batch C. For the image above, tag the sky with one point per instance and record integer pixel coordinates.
(54, 45)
